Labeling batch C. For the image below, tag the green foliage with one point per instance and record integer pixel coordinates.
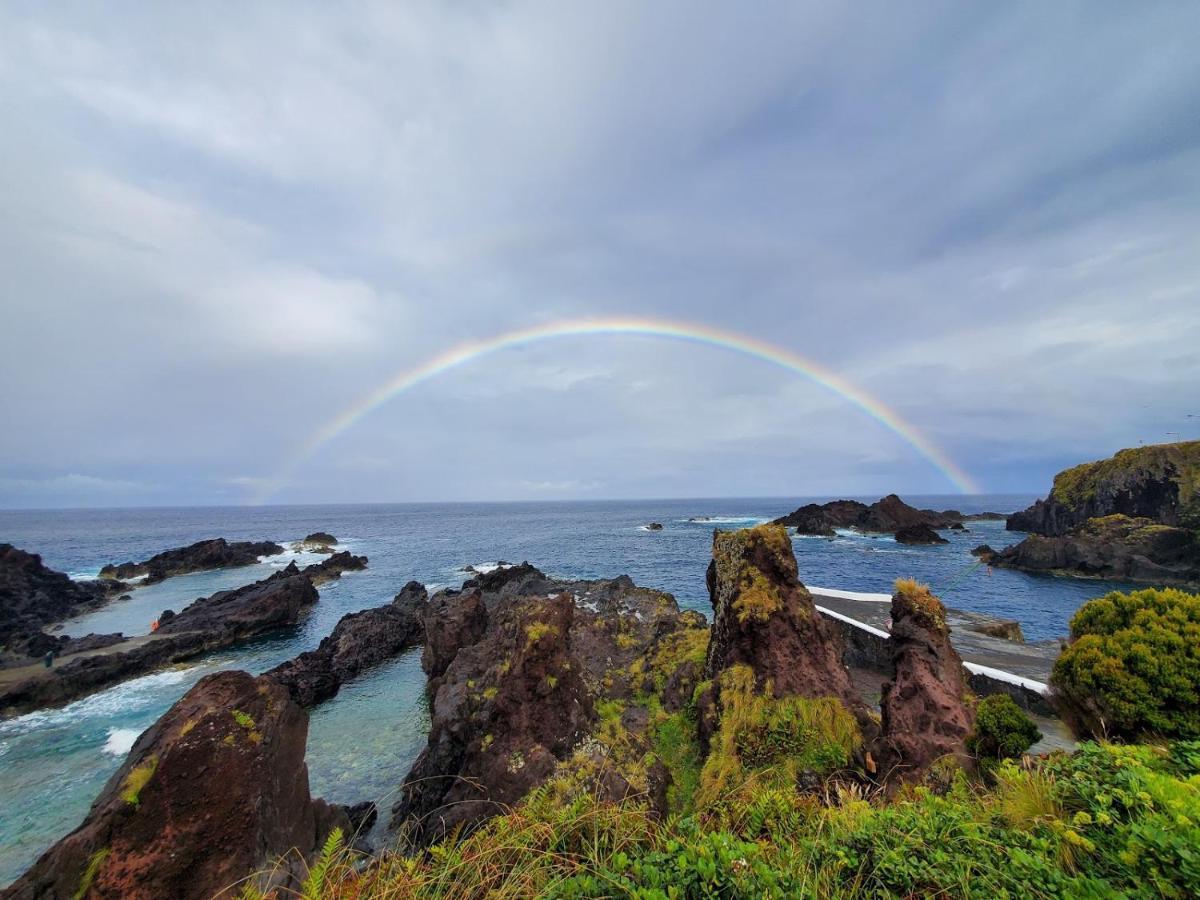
(766, 740)
(137, 779)
(1002, 730)
(1108, 821)
(1133, 666)
(1180, 461)
(243, 719)
(95, 863)
(319, 872)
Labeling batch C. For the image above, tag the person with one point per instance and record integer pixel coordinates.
(154, 626)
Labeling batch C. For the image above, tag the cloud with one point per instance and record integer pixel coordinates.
(220, 230)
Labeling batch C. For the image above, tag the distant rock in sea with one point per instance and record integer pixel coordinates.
(198, 557)
(890, 514)
(919, 534)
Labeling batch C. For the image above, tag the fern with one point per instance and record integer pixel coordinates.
(314, 884)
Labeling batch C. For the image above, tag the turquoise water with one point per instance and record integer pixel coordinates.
(53, 763)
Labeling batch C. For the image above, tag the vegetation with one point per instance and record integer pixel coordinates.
(137, 779)
(1133, 666)
(1002, 730)
(1075, 486)
(1107, 821)
(757, 598)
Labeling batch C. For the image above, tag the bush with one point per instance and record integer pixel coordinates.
(1002, 730)
(1133, 665)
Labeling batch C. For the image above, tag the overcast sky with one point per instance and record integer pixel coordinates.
(221, 226)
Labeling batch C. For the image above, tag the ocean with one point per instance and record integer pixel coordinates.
(361, 744)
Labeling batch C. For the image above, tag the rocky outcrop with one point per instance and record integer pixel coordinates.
(764, 618)
(317, 542)
(332, 569)
(211, 794)
(1160, 483)
(887, 515)
(1114, 547)
(33, 596)
(359, 641)
(210, 623)
(653, 526)
(919, 534)
(198, 557)
(507, 710)
(519, 663)
(925, 709)
(451, 621)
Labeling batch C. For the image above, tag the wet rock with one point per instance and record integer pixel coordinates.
(889, 514)
(925, 711)
(984, 552)
(211, 623)
(452, 621)
(317, 542)
(359, 641)
(201, 556)
(919, 534)
(32, 595)
(1115, 547)
(211, 794)
(653, 526)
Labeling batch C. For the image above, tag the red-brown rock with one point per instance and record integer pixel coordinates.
(211, 794)
(925, 708)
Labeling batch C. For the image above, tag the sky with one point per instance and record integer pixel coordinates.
(223, 225)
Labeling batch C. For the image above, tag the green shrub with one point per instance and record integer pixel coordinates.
(1133, 665)
(1002, 730)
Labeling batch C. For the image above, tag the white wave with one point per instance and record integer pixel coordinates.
(120, 741)
(851, 534)
(118, 699)
(486, 568)
(727, 520)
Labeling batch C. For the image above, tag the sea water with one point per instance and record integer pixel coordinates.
(361, 743)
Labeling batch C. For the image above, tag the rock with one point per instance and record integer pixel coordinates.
(653, 526)
(317, 542)
(925, 711)
(524, 660)
(210, 623)
(451, 621)
(764, 618)
(984, 552)
(1115, 547)
(1005, 629)
(919, 534)
(331, 569)
(507, 710)
(958, 526)
(32, 595)
(212, 793)
(198, 557)
(890, 514)
(358, 641)
(1156, 483)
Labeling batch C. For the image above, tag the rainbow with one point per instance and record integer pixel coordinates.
(469, 351)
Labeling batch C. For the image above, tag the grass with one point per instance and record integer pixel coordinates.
(137, 779)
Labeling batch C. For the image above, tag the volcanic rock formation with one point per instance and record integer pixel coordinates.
(198, 557)
(211, 794)
(919, 534)
(925, 709)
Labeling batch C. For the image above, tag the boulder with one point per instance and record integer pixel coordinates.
(653, 526)
(926, 713)
(919, 534)
(201, 556)
(210, 795)
(1157, 482)
(1005, 629)
(358, 641)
